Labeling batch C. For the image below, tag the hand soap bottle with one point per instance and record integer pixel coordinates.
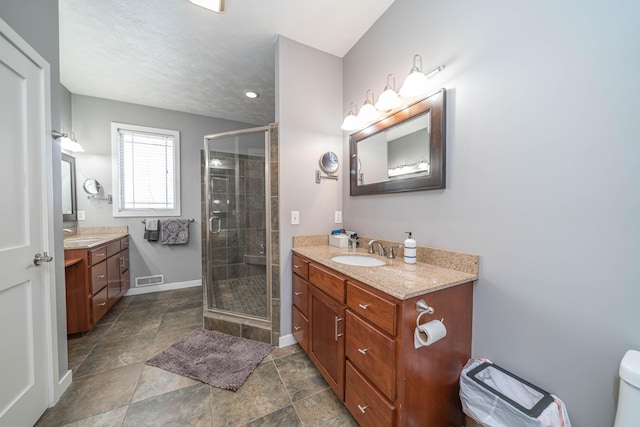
(409, 249)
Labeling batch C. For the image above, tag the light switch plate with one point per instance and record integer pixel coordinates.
(295, 217)
(338, 217)
(81, 216)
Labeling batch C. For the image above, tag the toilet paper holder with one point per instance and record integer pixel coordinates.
(422, 307)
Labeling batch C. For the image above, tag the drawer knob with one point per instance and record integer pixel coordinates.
(363, 409)
(102, 276)
(297, 293)
(363, 351)
(363, 306)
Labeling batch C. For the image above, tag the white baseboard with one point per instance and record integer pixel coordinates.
(62, 386)
(163, 287)
(286, 341)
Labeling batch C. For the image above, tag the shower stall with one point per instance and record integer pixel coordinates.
(240, 233)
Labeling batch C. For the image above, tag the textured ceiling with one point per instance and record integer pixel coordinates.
(175, 55)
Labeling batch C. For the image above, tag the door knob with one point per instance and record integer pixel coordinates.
(40, 258)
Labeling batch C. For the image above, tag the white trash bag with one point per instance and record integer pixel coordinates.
(495, 397)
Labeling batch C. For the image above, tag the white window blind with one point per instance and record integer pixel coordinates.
(146, 171)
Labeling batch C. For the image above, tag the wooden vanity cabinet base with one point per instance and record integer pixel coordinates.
(95, 278)
(361, 341)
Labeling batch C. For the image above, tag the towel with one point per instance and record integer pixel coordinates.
(174, 231)
(152, 229)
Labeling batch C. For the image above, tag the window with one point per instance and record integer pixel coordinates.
(146, 171)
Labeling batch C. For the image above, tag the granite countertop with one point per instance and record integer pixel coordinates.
(396, 278)
(91, 237)
(88, 241)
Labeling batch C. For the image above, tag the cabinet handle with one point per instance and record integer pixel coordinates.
(101, 304)
(296, 266)
(363, 409)
(363, 306)
(338, 319)
(99, 254)
(363, 351)
(297, 293)
(122, 261)
(102, 276)
(297, 328)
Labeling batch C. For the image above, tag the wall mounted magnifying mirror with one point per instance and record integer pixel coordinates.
(329, 164)
(92, 187)
(402, 152)
(69, 199)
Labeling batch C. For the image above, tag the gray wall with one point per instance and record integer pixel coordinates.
(36, 21)
(92, 119)
(542, 178)
(308, 108)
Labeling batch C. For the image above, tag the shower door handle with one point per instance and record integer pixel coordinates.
(217, 230)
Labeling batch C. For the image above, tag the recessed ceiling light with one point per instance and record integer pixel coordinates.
(252, 94)
(215, 5)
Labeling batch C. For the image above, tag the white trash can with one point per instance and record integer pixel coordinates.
(494, 397)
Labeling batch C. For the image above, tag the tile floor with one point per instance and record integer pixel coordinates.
(113, 387)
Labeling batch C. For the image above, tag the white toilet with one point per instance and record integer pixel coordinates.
(628, 413)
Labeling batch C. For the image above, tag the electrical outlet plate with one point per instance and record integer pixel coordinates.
(338, 217)
(295, 217)
(81, 216)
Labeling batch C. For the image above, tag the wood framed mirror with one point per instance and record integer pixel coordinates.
(402, 152)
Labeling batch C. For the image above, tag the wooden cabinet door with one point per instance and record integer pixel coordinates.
(113, 278)
(326, 339)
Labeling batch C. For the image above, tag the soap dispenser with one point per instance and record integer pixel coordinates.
(409, 249)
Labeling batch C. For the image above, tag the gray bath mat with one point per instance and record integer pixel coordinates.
(212, 357)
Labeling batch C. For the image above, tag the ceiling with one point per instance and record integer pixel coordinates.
(175, 55)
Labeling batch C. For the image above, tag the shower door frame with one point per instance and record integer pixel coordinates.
(207, 277)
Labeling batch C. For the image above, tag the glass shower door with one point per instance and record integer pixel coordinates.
(238, 212)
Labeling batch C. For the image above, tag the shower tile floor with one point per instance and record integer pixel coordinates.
(246, 295)
(113, 387)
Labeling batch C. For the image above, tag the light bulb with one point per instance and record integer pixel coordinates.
(368, 112)
(416, 82)
(351, 122)
(388, 99)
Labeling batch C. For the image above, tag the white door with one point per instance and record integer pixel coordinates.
(24, 287)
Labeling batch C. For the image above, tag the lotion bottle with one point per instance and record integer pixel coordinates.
(409, 249)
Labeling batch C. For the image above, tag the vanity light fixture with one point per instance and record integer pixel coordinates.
(416, 82)
(389, 99)
(368, 112)
(251, 94)
(214, 5)
(351, 122)
(68, 141)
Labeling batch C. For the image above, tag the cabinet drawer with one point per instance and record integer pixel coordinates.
(373, 353)
(98, 275)
(300, 294)
(300, 267)
(373, 308)
(99, 305)
(97, 255)
(124, 243)
(367, 406)
(113, 248)
(300, 329)
(327, 282)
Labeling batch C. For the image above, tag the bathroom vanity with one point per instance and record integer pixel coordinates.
(97, 275)
(357, 326)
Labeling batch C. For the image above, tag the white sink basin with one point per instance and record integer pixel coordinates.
(358, 260)
(94, 239)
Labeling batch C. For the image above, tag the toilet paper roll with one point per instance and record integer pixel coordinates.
(428, 333)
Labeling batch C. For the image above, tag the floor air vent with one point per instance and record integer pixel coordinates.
(149, 280)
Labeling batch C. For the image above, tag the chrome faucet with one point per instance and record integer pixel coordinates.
(380, 247)
(67, 230)
(391, 255)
